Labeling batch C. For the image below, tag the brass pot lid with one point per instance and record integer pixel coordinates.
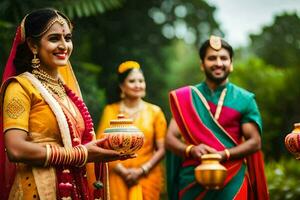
(211, 156)
(121, 121)
(121, 124)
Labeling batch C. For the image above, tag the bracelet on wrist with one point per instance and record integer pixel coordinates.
(227, 153)
(119, 167)
(188, 150)
(73, 156)
(146, 169)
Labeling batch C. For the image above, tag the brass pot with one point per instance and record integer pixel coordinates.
(292, 141)
(210, 173)
(123, 136)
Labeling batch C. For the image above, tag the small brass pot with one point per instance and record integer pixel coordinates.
(123, 136)
(292, 141)
(210, 173)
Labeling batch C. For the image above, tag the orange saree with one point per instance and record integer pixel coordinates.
(152, 123)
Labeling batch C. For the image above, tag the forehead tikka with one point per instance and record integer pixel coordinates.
(57, 18)
(215, 42)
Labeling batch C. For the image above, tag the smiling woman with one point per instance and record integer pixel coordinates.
(48, 133)
(55, 46)
(141, 177)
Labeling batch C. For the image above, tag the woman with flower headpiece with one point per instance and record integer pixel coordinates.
(48, 134)
(141, 177)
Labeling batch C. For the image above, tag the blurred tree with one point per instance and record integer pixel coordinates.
(12, 12)
(279, 43)
(137, 31)
(283, 179)
(183, 66)
(267, 83)
(189, 20)
(134, 30)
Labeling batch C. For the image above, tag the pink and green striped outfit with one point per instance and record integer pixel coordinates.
(246, 179)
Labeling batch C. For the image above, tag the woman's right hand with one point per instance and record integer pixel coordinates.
(96, 152)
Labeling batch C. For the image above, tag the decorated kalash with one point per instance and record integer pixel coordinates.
(292, 141)
(123, 136)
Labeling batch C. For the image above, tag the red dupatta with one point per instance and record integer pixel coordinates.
(7, 169)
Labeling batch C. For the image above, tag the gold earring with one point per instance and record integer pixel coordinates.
(122, 95)
(35, 62)
(231, 68)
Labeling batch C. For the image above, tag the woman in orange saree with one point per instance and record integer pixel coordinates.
(141, 177)
(47, 135)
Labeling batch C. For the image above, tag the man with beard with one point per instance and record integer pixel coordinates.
(215, 117)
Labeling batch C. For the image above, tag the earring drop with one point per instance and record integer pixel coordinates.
(35, 62)
(122, 95)
(231, 68)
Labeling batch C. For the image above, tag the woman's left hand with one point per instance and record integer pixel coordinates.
(134, 174)
(97, 153)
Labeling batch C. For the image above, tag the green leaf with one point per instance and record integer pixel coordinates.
(85, 8)
(78, 10)
(99, 6)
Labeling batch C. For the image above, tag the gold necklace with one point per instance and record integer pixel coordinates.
(51, 84)
(131, 112)
(220, 102)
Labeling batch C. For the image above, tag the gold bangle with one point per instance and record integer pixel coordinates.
(146, 169)
(188, 150)
(85, 155)
(48, 152)
(227, 153)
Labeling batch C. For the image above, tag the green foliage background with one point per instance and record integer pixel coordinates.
(164, 36)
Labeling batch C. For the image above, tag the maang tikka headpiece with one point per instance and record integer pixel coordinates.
(215, 42)
(58, 19)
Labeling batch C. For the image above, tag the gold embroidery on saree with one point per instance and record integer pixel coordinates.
(15, 108)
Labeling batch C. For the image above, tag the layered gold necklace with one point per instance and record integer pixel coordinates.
(131, 112)
(51, 84)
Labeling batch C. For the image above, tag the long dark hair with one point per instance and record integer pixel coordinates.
(35, 24)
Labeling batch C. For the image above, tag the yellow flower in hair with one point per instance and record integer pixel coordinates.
(128, 65)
